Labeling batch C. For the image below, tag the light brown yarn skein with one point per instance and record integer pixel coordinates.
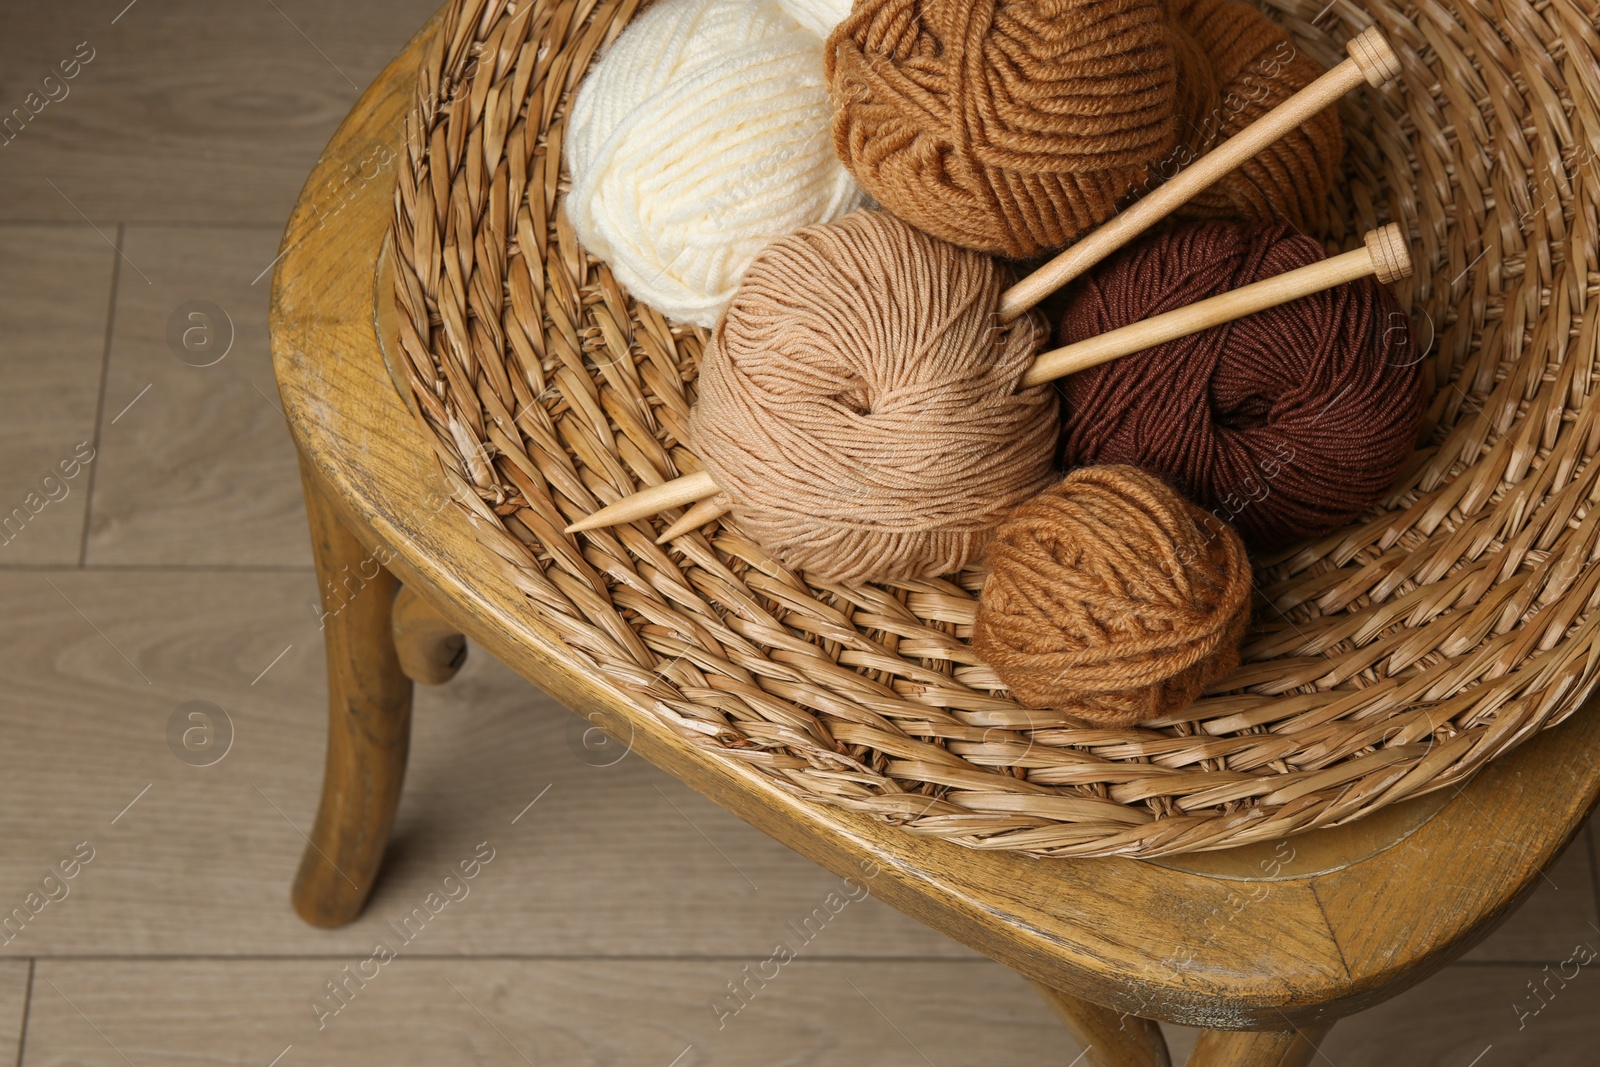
(859, 403)
(1008, 126)
(1016, 126)
(1253, 67)
(1112, 598)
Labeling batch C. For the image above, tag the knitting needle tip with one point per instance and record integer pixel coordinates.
(648, 502)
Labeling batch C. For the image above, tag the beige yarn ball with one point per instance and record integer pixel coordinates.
(699, 137)
(860, 403)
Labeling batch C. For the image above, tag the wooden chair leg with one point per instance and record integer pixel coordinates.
(1237, 1048)
(369, 723)
(1109, 1038)
(431, 650)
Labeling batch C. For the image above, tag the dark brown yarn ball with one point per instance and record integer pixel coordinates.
(1235, 65)
(1009, 126)
(1288, 423)
(1112, 598)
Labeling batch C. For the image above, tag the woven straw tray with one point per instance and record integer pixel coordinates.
(1388, 660)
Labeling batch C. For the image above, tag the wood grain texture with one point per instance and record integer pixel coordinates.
(1444, 878)
(369, 725)
(500, 1013)
(1108, 1038)
(189, 111)
(1115, 932)
(431, 651)
(1293, 1048)
(199, 470)
(55, 288)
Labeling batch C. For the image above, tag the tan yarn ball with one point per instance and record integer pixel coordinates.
(1008, 126)
(859, 403)
(1113, 599)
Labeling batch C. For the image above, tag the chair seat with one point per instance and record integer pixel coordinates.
(1271, 937)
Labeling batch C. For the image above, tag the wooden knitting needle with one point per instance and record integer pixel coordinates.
(704, 513)
(1383, 254)
(1371, 60)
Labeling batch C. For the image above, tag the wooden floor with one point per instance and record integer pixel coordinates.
(173, 567)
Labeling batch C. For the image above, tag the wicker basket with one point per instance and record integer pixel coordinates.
(1390, 659)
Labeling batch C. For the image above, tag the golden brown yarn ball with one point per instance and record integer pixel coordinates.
(1253, 67)
(1016, 126)
(1112, 599)
(1010, 126)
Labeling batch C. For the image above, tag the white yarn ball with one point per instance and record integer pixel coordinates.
(699, 137)
(818, 16)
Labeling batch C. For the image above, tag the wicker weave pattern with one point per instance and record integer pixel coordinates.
(1390, 659)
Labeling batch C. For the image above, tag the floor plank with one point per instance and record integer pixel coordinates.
(611, 860)
(1473, 1015)
(196, 464)
(1481, 1016)
(55, 288)
(186, 110)
(414, 1010)
(14, 975)
(1560, 912)
(500, 1012)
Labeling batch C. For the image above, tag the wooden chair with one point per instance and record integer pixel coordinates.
(1264, 947)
